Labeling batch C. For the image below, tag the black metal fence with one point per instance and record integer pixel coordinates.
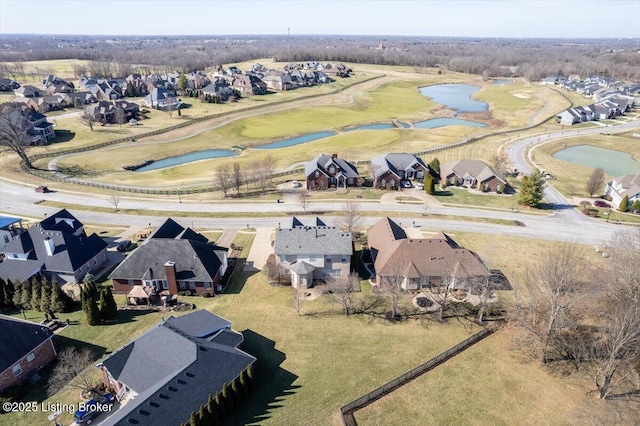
(347, 410)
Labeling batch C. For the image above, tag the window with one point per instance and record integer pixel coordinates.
(344, 259)
(17, 370)
(328, 259)
(317, 174)
(30, 357)
(6, 238)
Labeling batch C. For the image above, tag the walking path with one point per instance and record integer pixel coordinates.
(260, 250)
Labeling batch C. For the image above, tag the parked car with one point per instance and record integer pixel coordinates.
(42, 189)
(296, 184)
(91, 409)
(599, 203)
(419, 185)
(123, 245)
(405, 184)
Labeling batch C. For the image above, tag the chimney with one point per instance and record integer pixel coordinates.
(170, 272)
(49, 246)
(334, 155)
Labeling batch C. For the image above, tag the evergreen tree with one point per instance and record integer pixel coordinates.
(635, 207)
(221, 409)
(244, 385)
(193, 421)
(17, 295)
(250, 378)
(25, 300)
(227, 398)
(90, 285)
(60, 302)
(183, 83)
(93, 313)
(108, 306)
(531, 189)
(35, 294)
(45, 297)
(434, 165)
(3, 302)
(131, 91)
(211, 411)
(235, 392)
(429, 185)
(203, 416)
(624, 204)
(7, 291)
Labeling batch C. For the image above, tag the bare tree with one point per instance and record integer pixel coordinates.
(224, 178)
(88, 120)
(276, 272)
(14, 128)
(350, 216)
(114, 200)
(500, 162)
(391, 285)
(340, 291)
(269, 166)
(237, 177)
(262, 174)
(303, 199)
(72, 371)
(595, 181)
(553, 287)
(298, 300)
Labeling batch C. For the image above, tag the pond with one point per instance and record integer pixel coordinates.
(442, 122)
(615, 163)
(502, 82)
(188, 158)
(455, 96)
(297, 140)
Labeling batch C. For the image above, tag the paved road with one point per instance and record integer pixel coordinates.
(563, 224)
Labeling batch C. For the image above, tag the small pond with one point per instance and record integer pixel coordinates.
(615, 163)
(297, 140)
(188, 158)
(502, 82)
(441, 122)
(455, 96)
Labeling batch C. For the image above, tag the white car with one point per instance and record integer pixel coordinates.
(419, 185)
(296, 184)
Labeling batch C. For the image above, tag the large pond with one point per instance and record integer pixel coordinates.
(297, 140)
(442, 122)
(615, 163)
(187, 158)
(455, 96)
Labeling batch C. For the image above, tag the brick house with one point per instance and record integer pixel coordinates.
(25, 347)
(473, 174)
(175, 259)
(387, 171)
(326, 171)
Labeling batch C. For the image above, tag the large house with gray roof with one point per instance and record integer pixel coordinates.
(173, 258)
(329, 171)
(313, 253)
(56, 247)
(621, 186)
(25, 347)
(422, 262)
(388, 170)
(472, 174)
(164, 375)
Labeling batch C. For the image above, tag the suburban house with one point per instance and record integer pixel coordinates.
(29, 91)
(161, 98)
(174, 259)
(218, 89)
(25, 347)
(313, 252)
(7, 85)
(621, 186)
(56, 246)
(167, 373)
(329, 171)
(9, 229)
(421, 262)
(387, 171)
(473, 174)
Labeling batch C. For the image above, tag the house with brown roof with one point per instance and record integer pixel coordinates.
(474, 174)
(388, 170)
(329, 171)
(422, 262)
(621, 186)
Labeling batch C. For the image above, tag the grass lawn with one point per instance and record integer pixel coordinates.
(459, 195)
(571, 178)
(486, 384)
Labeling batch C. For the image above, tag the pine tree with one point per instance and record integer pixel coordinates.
(250, 378)
(108, 306)
(203, 416)
(3, 303)
(212, 411)
(531, 189)
(35, 294)
(45, 297)
(7, 291)
(221, 408)
(635, 207)
(434, 165)
(244, 386)
(183, 83)
(25, 300)
(192, 420)
(429, 185)
(17, 295)
(93, 313)
(235, 392)
(624, 204)
(58, 299)
(227, 398)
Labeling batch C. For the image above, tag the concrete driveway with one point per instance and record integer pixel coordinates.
(260, 250)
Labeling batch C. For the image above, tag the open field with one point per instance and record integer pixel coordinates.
(571, 178)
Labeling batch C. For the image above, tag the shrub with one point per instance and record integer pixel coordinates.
(624, 204)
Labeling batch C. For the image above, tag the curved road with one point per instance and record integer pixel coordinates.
(565, 224)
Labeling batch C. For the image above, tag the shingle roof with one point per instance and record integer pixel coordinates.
(301, 267)
(18, 338)
(394, 162)
(169, 229)
(173, 373)
(201, 323)
(316, 240)
(322, 162)
(475, 168)
(630, 185)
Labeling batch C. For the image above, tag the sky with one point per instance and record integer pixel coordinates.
(459, 18)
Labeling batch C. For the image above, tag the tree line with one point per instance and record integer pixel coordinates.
(530, 58)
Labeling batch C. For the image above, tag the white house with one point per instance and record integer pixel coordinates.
(620, 186)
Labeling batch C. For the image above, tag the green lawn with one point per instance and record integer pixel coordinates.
(460, 195)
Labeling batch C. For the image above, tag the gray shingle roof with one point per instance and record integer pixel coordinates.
(201, 323)
(18, 338)
(173, 372)
(317, 240)
(322, 162)
(395, 162)
(475, 168)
